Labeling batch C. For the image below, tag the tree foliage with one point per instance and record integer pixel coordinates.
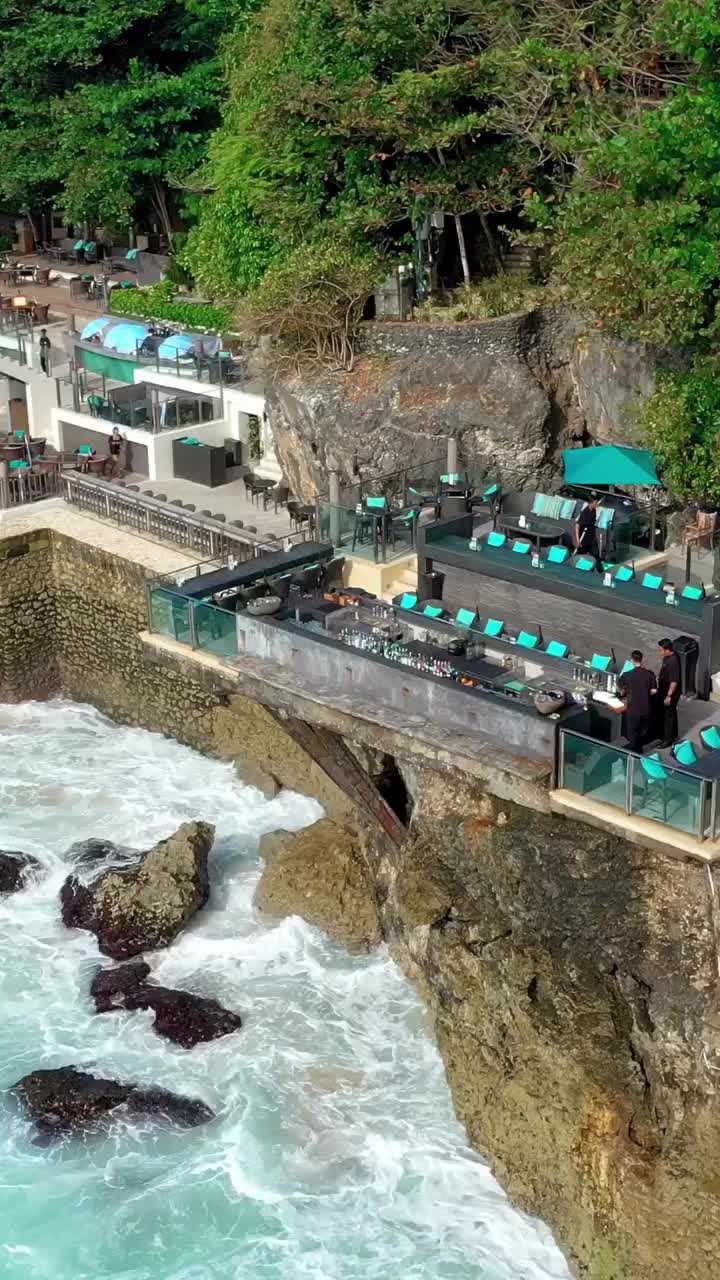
(682, 424)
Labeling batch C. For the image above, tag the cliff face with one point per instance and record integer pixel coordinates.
(570, 976)
(514, 391)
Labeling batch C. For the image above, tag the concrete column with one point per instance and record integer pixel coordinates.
(452, 456)
(334, 487)
(4, 495)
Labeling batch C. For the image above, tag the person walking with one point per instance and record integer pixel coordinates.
(44, 345)
(586, 541)
(638, 689)
(116, 447)
(669, 691)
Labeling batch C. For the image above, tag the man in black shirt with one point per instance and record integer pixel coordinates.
(586, 532)
(638, 689)
(669, 691)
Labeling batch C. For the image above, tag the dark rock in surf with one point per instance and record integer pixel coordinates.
(93, 851)
(146, 906)
(180, 1016)
(16, 869)
(68, 1101)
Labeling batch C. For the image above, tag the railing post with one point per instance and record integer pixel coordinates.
(629, 782)
(193, 624)
(702, 807)
(713, 810)
(561, 761)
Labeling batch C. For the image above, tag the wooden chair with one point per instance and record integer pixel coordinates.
(702, 530)
(40, 312)
(42, 276)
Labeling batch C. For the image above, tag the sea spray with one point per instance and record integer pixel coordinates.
(335, 1154)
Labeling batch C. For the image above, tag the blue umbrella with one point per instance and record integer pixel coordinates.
(178, 344)
(125, 338)
(96, 326)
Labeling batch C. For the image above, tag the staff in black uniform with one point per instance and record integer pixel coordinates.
(669, 691)
(586, 532)
(638, 689)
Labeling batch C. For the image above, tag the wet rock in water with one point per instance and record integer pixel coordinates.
(319, 874)
(66, 1101)
(93, 851)
(16, 869)
(146, 906)
(180, 1016)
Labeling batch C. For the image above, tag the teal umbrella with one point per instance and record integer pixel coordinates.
(609, 464)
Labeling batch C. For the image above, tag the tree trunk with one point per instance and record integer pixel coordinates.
(460, 234)
(492, 245)
(160, 205)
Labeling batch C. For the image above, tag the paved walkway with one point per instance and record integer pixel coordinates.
(57, 515)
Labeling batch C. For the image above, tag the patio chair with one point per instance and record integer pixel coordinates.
(557, 555)
(493, 627)
(602, 661)
(465, 618)
(556, 649)
(653, 777)
(521, 547)
(651, 581)
(710, 737)
(95, 404)
(684, 752)
(40, 312)
(701, 531)
(42, 277)
(528, 639)
(496, 539)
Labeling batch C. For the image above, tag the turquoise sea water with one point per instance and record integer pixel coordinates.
(335, 1154)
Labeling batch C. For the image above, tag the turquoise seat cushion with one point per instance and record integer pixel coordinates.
(17, 465)
(493, 627)
(376, 504)
(605, 517)
(653, 768)
(520, 547)
(556, 649)
(711, 737)
(652, 581)
(627, 666)
(625, 573)
(496, 539)
(693, 593)
(558, 555)
(433, 611)
(584, 564)
(685, 752)
(527, 640)
(452, 477)
(189, 440)
(79, 244)
(567, 509)
(465, 617)
(86, 450)
(491, 490)
(538, 506)
(600, 661)
(408, 600)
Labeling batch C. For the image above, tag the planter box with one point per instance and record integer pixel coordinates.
(201, 463)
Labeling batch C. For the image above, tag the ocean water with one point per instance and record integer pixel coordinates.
(335, 1154)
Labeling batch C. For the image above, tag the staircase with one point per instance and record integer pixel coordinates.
(519, 260)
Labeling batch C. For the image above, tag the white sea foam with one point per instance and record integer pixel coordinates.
(334, 1154)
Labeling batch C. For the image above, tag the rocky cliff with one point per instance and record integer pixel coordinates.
(572, 978)
(514, 391)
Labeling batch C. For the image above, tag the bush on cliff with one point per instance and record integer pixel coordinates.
(162, 302)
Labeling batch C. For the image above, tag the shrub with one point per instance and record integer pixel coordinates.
(681, 422)
(313, 300)
(160, 302)
(499, 295)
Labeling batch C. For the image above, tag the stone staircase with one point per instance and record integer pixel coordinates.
(519, 260)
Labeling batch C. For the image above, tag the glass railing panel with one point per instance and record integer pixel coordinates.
(170, 615)
(594, 769)
(215, 630)
(362, 534)
(669, 796)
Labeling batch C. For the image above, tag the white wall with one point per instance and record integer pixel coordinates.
(159, 446)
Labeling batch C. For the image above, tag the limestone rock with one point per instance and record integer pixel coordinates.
(66, 1101)
(319, 874)
(180, 1016)
(146, 907)
(93, 851)
(15, 870)
(253, 776)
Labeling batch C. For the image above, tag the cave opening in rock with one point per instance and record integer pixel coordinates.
(391, 785)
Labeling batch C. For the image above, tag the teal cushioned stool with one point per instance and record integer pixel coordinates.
(651, 581)
(600, 661)
(376, 504)
(710, 737)
(627, 666)
(491, 490)
(556, 649)
(520, 547)
(493, 627)
(465, 618)
(496, 539)
(624, 573)
(86, 450)
(433, 611)
(584, 564)
(693, 593)
(527, 640)
(685, 753)
(653, 768)
(557, 555)
(408, 600)
(19, 464)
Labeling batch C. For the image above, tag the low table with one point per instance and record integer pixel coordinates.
(543, 530)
